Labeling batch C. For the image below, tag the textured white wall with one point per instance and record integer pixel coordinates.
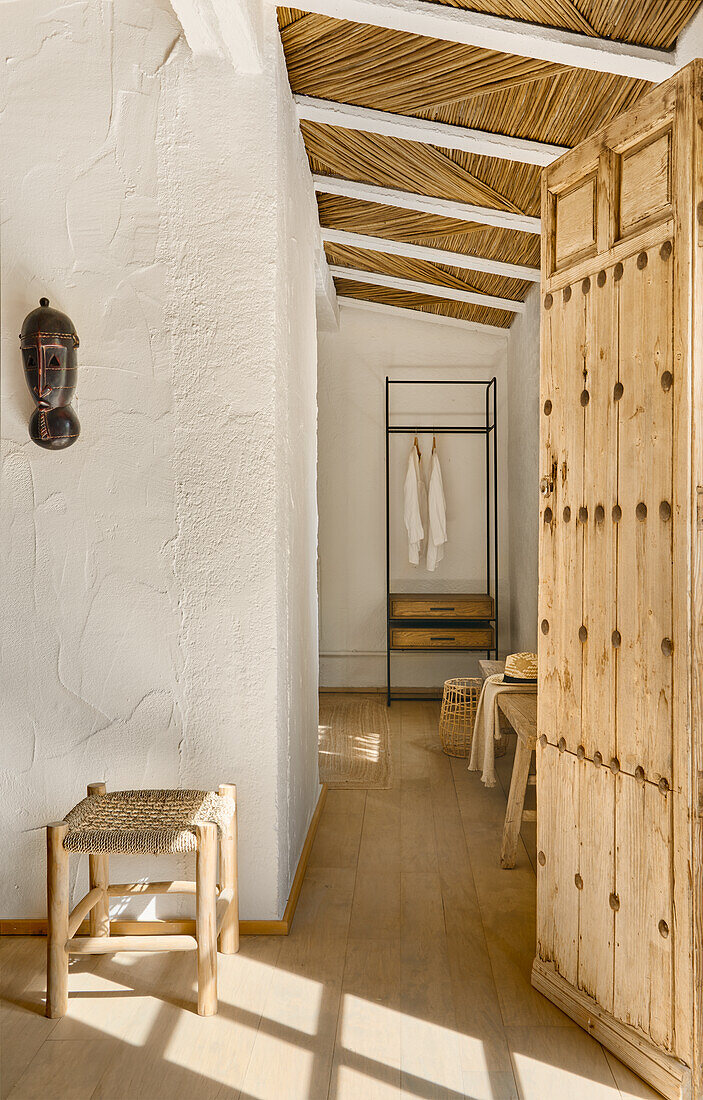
(151, 572)
(523, 473)
(353, 364)
(296, 273)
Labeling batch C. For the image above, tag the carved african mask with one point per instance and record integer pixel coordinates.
(48, 341)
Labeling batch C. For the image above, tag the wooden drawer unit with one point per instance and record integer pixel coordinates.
(440, 606)
(441, 637)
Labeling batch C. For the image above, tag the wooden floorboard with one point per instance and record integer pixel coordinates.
(406, 975)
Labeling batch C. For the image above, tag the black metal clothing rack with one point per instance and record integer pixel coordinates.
(488, 428)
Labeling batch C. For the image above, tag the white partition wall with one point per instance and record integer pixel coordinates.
(155, 574)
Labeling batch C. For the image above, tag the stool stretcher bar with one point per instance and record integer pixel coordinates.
(123, 889)
(82, 909)
(222, 906)
(106, 945)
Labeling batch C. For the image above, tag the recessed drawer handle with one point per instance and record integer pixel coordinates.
(442, 609)
(443, 638)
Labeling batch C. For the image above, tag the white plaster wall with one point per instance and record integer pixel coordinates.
(150, 574)
(298, 245)
(353, 364)
(523, 473)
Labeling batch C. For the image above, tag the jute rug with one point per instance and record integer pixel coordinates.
(354, 744)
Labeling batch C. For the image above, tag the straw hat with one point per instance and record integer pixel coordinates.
(520, 668)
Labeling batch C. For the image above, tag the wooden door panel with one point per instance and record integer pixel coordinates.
(575, 222)
(644, 603)
(599, 531)
(645, 181)
(597, 871)
(559, 646)
(643, 945)
(558, 859)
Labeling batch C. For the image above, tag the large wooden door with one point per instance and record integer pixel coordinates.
(619, 756)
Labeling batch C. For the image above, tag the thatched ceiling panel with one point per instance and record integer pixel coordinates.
(405, 267)
(422, 169)
(460, 85)
(462, 310)
(647, 23)
(563, 110)
(339, 212)
(352, 62)
(390, 71)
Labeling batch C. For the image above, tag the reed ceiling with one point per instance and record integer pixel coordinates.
(423, 169)
(406, 74)
(656, 23)
(481, 315)
(338, 212)
(442, 81)
(403, 267)
(649, 23)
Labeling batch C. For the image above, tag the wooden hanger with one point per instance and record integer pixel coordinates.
(417, 448)
(434, 443)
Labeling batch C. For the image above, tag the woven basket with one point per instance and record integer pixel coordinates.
(456, 721)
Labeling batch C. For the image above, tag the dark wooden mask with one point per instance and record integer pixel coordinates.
(48, 341)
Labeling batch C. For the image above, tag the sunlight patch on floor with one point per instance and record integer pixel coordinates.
(108, 1006)
(350, 1082)
(539, 1077)
(431, 1053)
(366, 747)
(295, 1002)
(370, 1030)
(387, 1038)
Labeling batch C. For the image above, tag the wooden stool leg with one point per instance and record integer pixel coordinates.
(99, 875)
(57, 920)
(229, 933)
(206, 917)
(516, 802)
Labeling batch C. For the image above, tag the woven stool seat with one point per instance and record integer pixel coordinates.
(140, 822)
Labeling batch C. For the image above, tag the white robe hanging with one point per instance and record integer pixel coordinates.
(412, 508)
(422, 489)
(437, 516)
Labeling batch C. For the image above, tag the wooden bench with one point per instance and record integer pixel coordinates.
(520, 711)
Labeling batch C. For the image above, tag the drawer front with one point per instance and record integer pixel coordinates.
(441, 638)
(441, 607)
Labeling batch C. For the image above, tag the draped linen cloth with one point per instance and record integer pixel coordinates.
(437, 515)
(412, 507)
(487, 727)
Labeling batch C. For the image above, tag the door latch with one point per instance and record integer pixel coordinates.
(547, 483)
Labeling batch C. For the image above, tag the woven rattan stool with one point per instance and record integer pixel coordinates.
(134, 823)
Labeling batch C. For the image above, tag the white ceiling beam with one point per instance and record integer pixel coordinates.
(689, 43)
(412, 286)
(422, 315)
(228, 30)
(433, 255)
(492, 32)
(326, 308)
(443, 208)
(387, 124)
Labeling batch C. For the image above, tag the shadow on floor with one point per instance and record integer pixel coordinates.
(406, 974)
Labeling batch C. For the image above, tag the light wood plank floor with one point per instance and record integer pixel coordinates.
(406, 974)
